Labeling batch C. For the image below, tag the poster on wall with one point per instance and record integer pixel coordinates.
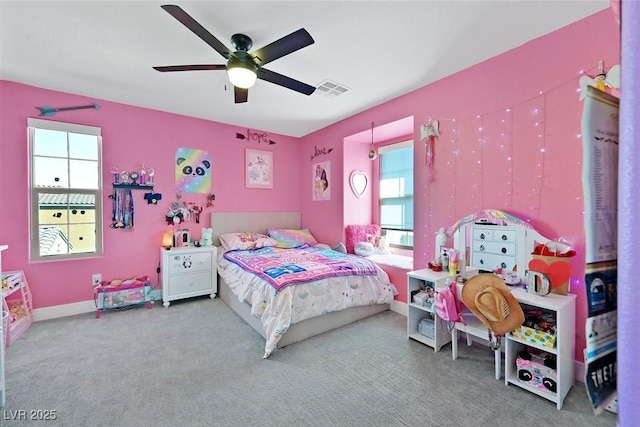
(321, 173)
(259, 168)
(600, 187)
(192, 170)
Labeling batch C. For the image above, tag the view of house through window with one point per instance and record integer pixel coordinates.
(65, 165)
(396, 193)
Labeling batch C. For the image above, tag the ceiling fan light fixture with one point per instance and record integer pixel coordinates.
(241, 73)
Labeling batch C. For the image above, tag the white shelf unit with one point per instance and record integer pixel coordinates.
(417, 280)
(188, 272)
(17, 294)
(563, 308)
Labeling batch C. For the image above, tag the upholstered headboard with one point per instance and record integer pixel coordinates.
(254, 222)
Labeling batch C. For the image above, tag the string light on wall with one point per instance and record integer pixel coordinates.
(478, 175)
(506, 143)
(538, 184)
(496, 131)
(452, 166)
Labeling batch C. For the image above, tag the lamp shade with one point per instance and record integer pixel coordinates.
(241, 72)
(167, 239)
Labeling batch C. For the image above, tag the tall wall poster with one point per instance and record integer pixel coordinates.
(600, 185)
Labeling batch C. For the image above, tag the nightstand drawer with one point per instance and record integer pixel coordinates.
(190, 262)
(190, 283)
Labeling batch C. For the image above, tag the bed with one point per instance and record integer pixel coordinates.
(302, 323)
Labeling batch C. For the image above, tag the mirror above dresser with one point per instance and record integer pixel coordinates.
(491, 239)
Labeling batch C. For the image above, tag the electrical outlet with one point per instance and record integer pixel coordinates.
(96, 279)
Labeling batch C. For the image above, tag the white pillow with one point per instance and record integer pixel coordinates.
(364, 249)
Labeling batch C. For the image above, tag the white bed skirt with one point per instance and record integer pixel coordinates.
(301, 330)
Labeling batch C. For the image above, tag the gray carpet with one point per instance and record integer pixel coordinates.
(197, 363)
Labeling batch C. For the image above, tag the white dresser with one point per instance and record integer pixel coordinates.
(188, 272)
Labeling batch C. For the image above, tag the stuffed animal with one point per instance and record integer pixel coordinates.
(207, 237)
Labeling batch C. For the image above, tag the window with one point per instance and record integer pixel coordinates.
(66, 190)
(396, 193)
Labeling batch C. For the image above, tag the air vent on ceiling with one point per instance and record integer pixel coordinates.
(331, 89)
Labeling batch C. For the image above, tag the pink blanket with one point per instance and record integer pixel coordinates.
(283, 267)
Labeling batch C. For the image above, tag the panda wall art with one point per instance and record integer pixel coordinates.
(193, 170)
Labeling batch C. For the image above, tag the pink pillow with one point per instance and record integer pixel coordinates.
(358, 233)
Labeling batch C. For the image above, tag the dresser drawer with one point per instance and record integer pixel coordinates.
(485, 261)
(190, 283)
(491, 247)
(494, 233)
(482, 233)
(190, 262)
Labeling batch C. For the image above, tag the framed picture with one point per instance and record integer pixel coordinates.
(321, 173)
(259, 168)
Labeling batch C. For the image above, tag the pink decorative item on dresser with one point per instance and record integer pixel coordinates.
(358, 233)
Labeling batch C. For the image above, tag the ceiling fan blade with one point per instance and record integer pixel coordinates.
(288, 82)
(198, 30)
(284, 46)
(203, 67)
(240, 94)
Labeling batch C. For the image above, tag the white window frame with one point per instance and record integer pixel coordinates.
(381, 151)
(35, 192)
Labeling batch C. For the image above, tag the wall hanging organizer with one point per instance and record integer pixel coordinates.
(123, 204)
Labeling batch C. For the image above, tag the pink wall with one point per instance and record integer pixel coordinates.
(544, 188)
(131, 136)
(357, 210)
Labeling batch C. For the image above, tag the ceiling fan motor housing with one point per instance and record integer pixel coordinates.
(242, 59)
(241, 42)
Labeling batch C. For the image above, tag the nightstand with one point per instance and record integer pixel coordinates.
(188, 272)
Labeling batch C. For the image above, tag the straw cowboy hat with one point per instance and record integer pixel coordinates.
(489, 298)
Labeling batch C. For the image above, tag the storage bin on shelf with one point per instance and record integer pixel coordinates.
(537, 368)
(17, 303)
(539, 328)
(535, 336)
(122, 293)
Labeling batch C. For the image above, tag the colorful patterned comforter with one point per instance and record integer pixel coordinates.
(283, 267)
(278, 308)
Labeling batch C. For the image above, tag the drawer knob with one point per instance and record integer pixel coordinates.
(482, 247)
(482, 236)
(503, 250)
(504, 237)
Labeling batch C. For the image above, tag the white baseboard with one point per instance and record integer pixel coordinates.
(64, 310)
(399, 307)
(81, 307)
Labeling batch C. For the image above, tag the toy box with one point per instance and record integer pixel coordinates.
(118, 294)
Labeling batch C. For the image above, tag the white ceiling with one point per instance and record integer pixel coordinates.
(378, 50)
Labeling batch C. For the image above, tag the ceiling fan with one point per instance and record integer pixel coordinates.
(244, 67)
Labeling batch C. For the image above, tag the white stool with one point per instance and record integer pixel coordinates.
(474, 327)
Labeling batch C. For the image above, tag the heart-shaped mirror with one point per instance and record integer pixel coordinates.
(358, 181)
